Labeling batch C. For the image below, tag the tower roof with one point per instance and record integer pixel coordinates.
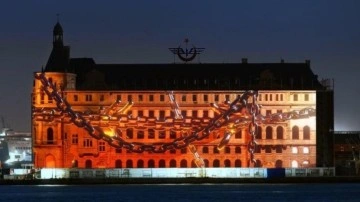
(58, 29)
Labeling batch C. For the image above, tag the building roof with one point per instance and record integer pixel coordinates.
(194, 76)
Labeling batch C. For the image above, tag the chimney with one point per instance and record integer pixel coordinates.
(244, 60)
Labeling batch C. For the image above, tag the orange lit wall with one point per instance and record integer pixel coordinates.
(63, 145)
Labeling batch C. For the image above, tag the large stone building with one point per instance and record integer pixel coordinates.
(136, 99)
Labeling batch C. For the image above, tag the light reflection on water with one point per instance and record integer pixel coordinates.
(182, 192)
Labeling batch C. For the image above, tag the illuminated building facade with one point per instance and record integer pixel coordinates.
(92, 88)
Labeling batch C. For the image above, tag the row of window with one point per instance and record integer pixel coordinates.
(182, 98)
(184, 164)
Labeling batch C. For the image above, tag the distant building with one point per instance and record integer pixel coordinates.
(91, 88)
(347, 152)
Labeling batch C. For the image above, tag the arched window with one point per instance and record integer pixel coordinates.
(151, 163)
(50, 161)
(216, 163)
(295, 133)
(294, 164)
(258, 164)
(183, 163)
(193, 165)
(162, 163)
(279, 133)
(74, 163)
(118, 164)
(129, 133)
(205, 150)
(172, 163)
(306, 131)
(238, 150)
(88, 164)
(227, 163)
(129, 163)
(238, 163)
(269, 133)
(50, 136)
(206, 162)
(305, 164)
(259, 133)
(140, 164)
(278, 164)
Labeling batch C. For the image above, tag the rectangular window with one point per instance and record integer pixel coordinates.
(129, 98)
(194, 98)
(259, 97)
(76, 98)
(206, 98)
(266, 97)
(268, 112)
(227, 97)
(151, 113)
(140, 113)
(162, 134)
(151, 98)
(270, 97)
(87, 143)
(162, 114)
(194, 114)
(306, 97)
(183, 113)
(42, 98)
(74, 139)
(162, 98)
(281, 97)
(88, 98)
(216, 98)
(205, 113)
(183, 98)
(295, 97)
(50, 99)
(279, 111)
(102, 98)
(140, 98)
(118, 98)
(101, 146)
(277, 97)
(118, 150)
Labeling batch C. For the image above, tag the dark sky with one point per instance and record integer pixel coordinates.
(327, 32)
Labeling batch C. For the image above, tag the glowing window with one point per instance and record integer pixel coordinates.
(294, 164)
(306, 150)
(294, 150)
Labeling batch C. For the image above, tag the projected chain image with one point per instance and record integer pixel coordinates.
(109, 123)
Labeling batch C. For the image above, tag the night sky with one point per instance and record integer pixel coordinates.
(327, 32)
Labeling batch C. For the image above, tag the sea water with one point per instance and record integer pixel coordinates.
(183, 192)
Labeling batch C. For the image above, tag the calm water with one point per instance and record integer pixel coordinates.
(186, 192)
